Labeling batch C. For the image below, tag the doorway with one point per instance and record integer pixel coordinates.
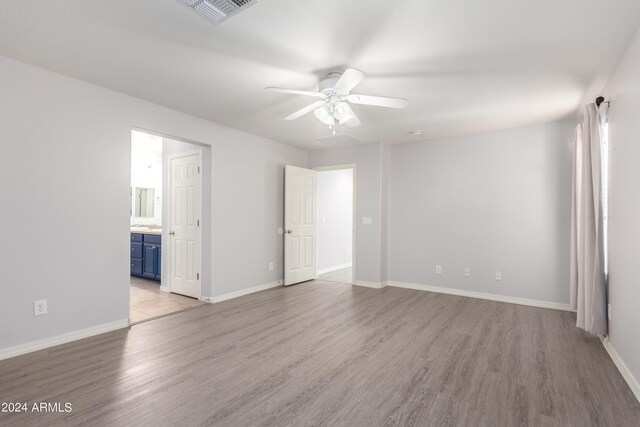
(335, 247)
(156, 163)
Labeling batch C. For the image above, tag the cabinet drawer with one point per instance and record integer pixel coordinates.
(152, 239)
(136, 266)
(136, 250)
(136, 237)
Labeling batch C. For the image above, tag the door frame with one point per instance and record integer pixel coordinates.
(351, 166)
(167, 258)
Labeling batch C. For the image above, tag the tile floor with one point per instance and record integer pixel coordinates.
(149, 302)
(344, 275)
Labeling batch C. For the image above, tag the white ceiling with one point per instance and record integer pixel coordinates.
(465, 66)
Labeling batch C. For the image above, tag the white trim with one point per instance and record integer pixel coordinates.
(41, 344)
(364, 284)
(482, 295)
(622, 367)
(334, 268)
(354, 212)
(242, 292)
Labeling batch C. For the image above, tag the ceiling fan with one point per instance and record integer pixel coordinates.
(335, 92)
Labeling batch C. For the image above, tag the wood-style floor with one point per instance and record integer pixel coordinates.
(344, 275)
(322, 353)
(149, 302)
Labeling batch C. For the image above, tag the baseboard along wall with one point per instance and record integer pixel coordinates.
(62, 339)
(622, 367)
(334, 268)
(481, 295)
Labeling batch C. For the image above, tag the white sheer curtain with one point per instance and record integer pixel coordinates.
(588, 282)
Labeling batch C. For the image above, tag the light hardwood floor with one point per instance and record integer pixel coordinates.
(149, 302)
(323, 353)
(344, 275)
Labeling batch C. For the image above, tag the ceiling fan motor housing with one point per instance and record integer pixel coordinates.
(330, 81)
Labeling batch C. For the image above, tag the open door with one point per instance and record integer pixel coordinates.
(185, 231)
(299, 224)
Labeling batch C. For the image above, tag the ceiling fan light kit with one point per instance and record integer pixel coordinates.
(335, 90)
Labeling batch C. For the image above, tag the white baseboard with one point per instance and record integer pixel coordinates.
(482, 295)
(165, 289)
(41, 344)
(364, 284)
(622, 367)
(242, 292)
(334, 268)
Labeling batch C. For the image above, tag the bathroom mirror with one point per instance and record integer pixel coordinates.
(144, 202)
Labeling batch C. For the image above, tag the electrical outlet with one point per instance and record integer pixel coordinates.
(271, 265)
(609, 311)
(438, 269)
(467, 272)
(498, 275)
(40, 307)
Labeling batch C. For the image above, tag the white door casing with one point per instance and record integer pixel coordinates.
(185, 231)
(299, 224)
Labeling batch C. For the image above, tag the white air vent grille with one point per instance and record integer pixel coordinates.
(218, 10)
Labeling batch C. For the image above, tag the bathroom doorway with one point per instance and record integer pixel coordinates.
(151, 214)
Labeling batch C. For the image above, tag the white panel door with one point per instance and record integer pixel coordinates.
(299, 224)
(184, 228)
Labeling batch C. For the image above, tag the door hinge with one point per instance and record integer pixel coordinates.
(198, 169)
(197, 276)
(198, 223)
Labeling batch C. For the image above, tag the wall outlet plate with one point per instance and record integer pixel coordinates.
(271, 265)
(40, 307)
(467, 272)
(498, 275)
(438, 269)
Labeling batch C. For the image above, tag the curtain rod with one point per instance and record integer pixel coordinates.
(600, 100)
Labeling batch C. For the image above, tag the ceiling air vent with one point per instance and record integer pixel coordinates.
(218, 11)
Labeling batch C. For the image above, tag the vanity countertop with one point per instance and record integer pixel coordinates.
(146, 230)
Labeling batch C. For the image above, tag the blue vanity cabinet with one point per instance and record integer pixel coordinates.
(146, 255)
(136, 254)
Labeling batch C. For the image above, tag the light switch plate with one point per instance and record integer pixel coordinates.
(467, 272)
(438, 269)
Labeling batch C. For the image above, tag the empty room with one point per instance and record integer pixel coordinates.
(327, 213)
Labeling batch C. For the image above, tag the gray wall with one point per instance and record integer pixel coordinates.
(624, 207)
(368, 203)
(65, 214)
(497, 201)
(335, 218)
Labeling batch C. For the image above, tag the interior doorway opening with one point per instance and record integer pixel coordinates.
(336, 208)
(152, 213)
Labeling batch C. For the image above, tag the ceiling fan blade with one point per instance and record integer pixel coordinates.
(379, 101)
(305, 110)
(295, 92)
(349, 79)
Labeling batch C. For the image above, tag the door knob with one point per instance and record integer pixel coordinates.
(172, 233)
(288, 231)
